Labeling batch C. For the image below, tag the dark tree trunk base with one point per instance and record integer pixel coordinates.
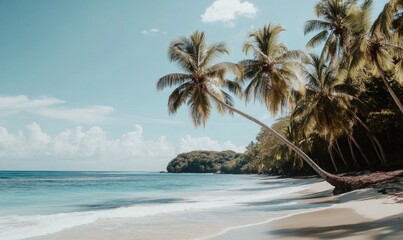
(345, 184)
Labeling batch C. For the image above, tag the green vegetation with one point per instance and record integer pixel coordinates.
(209, 162)
(349, 96)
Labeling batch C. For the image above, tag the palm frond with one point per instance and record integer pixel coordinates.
(292, 55)
(172, 79)
(178, 97)
(316, 25)
(252, 88)
(199, 106)
(384, 20)
(177, 52)
(225, 67)
(224, 97)
(258, 53)
(233, 87)
(197, 47)
(213, 51)
(317, 39)
(249, 67)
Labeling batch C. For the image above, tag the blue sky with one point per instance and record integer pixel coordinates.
(77, 79)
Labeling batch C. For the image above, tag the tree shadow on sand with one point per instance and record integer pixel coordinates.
(382, 228)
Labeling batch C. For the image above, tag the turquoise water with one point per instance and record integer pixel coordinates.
(42, 203)
(27, 193)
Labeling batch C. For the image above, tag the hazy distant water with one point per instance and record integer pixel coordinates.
(39, 203)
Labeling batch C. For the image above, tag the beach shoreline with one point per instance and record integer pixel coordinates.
(361, 214)
(266, 199)
(104, 205)
(304, 209)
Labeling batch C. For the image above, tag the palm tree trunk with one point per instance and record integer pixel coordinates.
(330, 151)
(338, 182)
(360, 149)
(338, 151)
(372, 137)
(393, 94)
(377, 152)
(352, 152)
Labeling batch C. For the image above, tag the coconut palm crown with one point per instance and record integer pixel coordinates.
(390, 20)
(324, 105)
(272, 70)
(337, 25)
(200, 80)
(379, 50)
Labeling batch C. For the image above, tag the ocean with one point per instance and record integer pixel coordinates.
(140, 205)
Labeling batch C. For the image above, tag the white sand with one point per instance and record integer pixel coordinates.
(361, 214)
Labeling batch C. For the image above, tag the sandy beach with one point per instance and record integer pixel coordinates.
(361, 214)
(317, 214)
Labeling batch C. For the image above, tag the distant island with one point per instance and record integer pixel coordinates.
(211, 162)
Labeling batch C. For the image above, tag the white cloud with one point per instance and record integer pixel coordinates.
(152, 31)
(14, 104)
(87, 115)
(190, 143)
(53, 108)
(92, 149)
(227, 11)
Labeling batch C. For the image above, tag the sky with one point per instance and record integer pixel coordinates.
(78, 79)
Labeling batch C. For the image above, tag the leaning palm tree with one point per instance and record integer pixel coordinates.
(272, 71)
(201, 85)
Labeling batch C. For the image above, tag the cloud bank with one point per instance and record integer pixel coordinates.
(190, 143)
(93, 149)
(227, 11)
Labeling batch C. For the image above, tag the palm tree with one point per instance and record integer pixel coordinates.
(272, 70)
(397, 22)
(334, 26)
(390, 20)
(323, 110)
(327, 108)
(202, 83)
(383, 52)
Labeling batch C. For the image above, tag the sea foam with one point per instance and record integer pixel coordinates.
(20, 227)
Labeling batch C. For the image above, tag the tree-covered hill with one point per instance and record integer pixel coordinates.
(209, 162)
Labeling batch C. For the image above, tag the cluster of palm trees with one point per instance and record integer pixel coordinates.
(327, 105)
